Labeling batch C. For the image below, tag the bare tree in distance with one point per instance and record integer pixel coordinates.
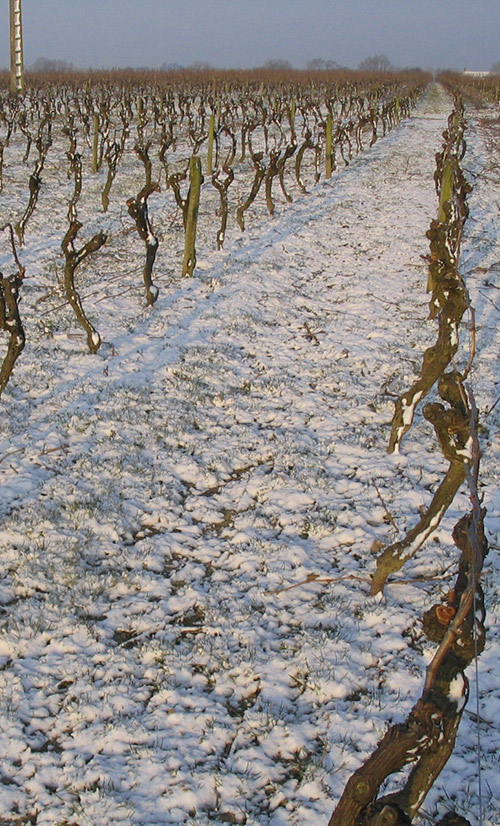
(47, 64)
(377, 63)
(317, 64)
(172, 67)
(277, 63)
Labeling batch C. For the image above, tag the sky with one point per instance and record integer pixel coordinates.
(432, 34)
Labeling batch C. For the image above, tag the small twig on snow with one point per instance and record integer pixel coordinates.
(387, 511)
(309, 334)
(317, 578)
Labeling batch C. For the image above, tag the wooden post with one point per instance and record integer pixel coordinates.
(16, 49)
(329, 146)
(195, 179)
(446, 186)
(95, 144)
(211, 136)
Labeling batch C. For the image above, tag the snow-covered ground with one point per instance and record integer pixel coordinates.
(190, 518)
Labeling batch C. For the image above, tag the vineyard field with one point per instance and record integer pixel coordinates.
(190, 515)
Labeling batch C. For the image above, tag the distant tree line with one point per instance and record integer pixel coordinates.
(47, 64)
(375, 63)
(378, 63)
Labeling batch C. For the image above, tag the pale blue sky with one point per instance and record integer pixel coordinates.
(244, 33)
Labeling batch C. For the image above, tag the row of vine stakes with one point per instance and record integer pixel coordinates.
(267, 125)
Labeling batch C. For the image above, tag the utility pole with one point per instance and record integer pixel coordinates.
(16, 49)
